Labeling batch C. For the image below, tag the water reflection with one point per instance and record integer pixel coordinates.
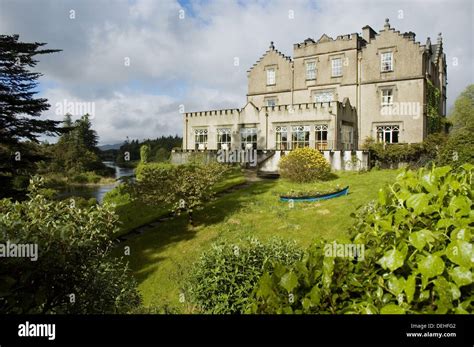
(97, 192)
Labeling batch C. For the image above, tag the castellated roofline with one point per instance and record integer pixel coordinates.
(270, 109)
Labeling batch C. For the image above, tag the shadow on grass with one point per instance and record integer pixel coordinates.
(146, 250)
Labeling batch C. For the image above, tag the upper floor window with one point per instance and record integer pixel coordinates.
(336, 65)
(388, 133)
(387, 97)
(271, 101)
(311, 70)
(271, 80)
(324, 96)
(386, 61)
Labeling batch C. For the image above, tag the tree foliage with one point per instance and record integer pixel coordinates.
(185, 187)
(74, 272)
(20, 110)
(462, 115)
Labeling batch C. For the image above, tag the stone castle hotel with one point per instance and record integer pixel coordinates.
(331, 95)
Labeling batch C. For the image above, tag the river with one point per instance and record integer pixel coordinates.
(96, 191)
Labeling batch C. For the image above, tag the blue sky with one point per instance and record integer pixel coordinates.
(189, 61)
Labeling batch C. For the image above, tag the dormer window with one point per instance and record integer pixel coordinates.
(336, 65)
(310, 70)
(386, 61)
(271, 80)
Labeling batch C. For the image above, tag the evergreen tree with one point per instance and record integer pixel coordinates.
(20, 110)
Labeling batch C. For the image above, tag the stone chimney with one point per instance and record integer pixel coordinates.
(368, 33)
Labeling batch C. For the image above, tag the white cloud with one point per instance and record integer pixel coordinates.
(190, 61)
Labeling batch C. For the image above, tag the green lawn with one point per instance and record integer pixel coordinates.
(161, 257)
(133, 214)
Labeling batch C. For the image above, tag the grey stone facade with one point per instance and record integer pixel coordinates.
(332, 95)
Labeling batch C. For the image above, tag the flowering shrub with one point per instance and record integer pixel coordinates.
(304, 165)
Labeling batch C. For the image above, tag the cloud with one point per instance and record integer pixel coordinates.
(191, 60)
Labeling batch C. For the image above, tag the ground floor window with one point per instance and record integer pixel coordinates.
(300, 136)
(388, 133)
(248, 138)
(200, 139)
(321, 137)
(224, 138)
(347, 138)
(282, 138)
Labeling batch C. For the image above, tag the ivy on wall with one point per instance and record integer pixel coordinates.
(435, 122)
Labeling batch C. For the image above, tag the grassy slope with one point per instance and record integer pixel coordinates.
(161, 257)
(134, 214)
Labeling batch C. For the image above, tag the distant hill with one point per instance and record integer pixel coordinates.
(107, 147)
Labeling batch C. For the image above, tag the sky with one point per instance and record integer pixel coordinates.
(137, 63)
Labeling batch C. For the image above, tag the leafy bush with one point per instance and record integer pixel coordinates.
(415, 155)
(73, 272)
(224, 277)
(85, 177)
(184, 187)
(304, 165)
(418, 255)
(458, 150)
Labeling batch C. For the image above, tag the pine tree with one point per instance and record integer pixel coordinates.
(20, 110)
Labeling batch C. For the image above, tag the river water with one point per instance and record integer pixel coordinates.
(98, 191)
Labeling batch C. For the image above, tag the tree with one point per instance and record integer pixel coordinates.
(20, 110)
(184, 187)
(144, 153)
(463, 113)
(72, 270)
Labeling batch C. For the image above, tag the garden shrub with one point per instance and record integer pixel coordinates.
(416, 155)
(458, 150)
(304, 165)
(73, 258)
(418, 255)
(222, 280)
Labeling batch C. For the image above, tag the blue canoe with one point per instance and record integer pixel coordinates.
(341, 192)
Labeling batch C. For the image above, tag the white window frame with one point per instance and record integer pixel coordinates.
(271, 76)
(386, 132)
(323, 95)
(245, 134)
(300, 135)
(321, 131)
(310, 70)
(200, 139)
(336, 67)
(386, 61)
(268, 101)
(386, 97)
(280, 144)
(224, 138)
